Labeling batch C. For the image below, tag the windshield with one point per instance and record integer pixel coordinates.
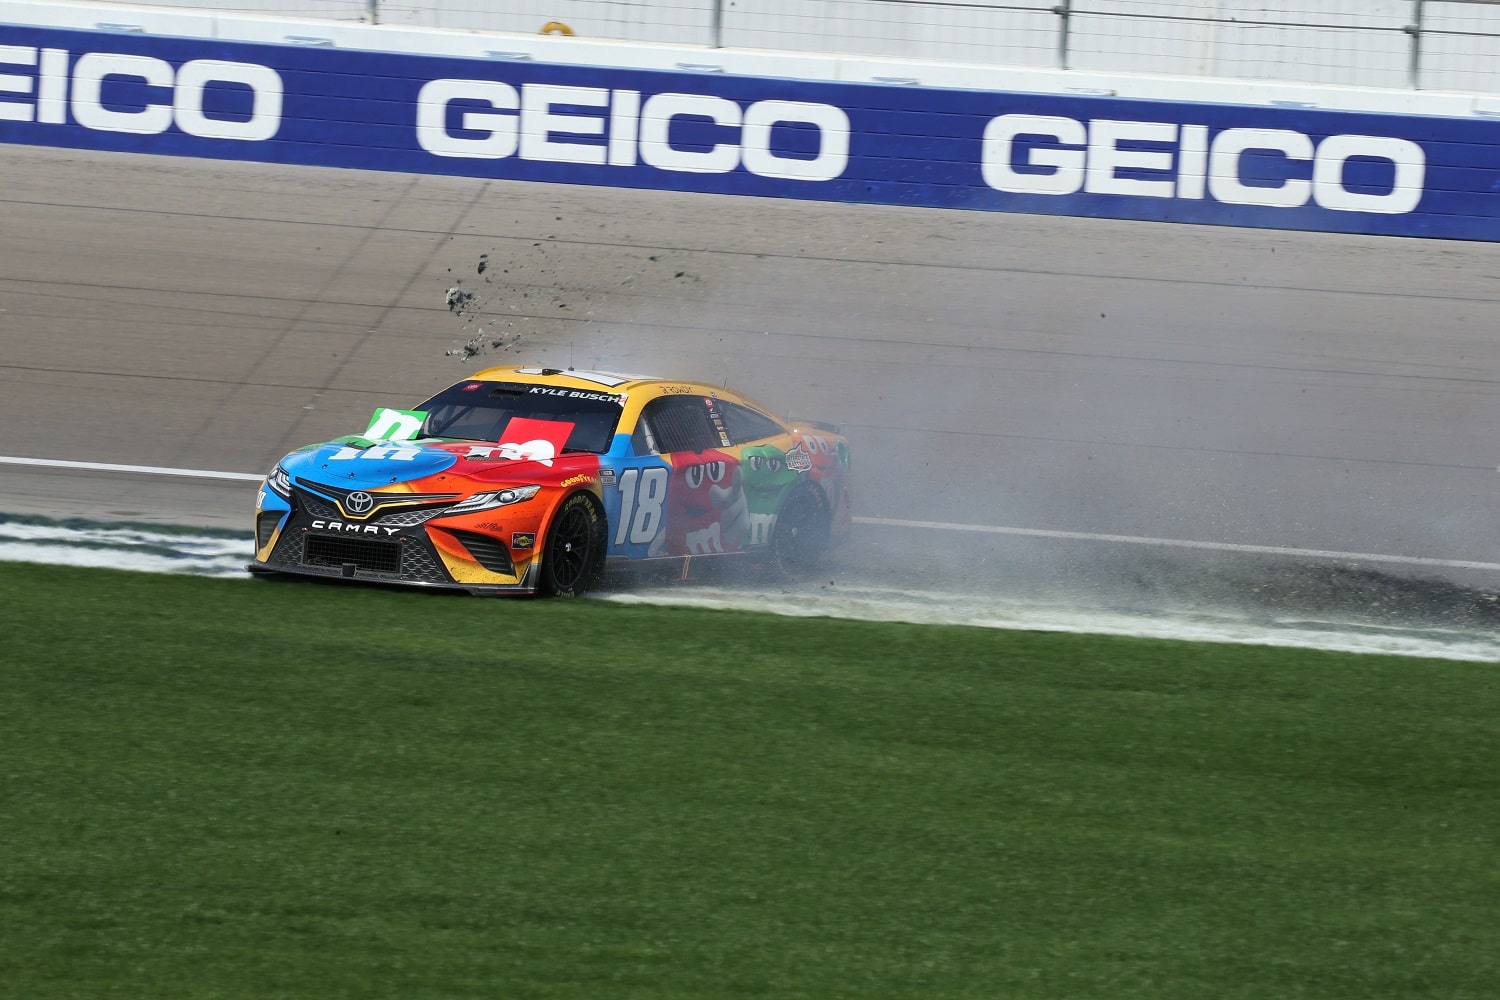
(481, 411)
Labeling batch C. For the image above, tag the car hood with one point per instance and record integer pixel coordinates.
(354, 464)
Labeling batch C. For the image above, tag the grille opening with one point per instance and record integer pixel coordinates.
(490, 553)
(265, 526)
(316, 505)
(365, 554)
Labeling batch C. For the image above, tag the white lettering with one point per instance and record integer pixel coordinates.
(89, 74)
(361, 529)
(833, 140)
(393, 425)
(527, 124)
(1192, 161)
(501, 137)
(1224, 167)
(704, 541)
(265, 109)
(391, 452)
(13, 83)
(624, 127)
(86, 92)
(539, 122)
(52, 88)
(656, 127)
(1337, 150)
(1066, 160)
(760, 528)
(643, 495)
(1106, 158)
(1072, 157)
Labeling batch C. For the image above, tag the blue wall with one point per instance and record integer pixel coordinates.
(1267, 167)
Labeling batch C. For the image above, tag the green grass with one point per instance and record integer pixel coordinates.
(244, 789)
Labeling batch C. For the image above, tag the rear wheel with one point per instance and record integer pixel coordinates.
(801, 535)
(573, 556)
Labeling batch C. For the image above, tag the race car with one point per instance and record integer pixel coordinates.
(529, 480)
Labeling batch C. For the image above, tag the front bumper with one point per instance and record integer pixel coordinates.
(307, 538)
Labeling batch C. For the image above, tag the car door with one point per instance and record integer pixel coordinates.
(680, 492)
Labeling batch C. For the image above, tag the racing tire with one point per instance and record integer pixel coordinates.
(801, 535)
(573, 556)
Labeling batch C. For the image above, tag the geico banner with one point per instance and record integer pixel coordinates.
(1271, 167)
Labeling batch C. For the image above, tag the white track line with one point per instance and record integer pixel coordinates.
(1273, 550)
(149, 470)
(888, 522)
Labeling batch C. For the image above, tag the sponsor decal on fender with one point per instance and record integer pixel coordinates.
(522, 540)
(798, 460)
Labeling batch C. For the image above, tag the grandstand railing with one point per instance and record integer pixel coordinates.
(1418, 44)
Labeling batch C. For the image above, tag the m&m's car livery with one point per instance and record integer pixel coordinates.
(528, 480)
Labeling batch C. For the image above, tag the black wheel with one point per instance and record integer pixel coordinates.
(573, 556)
(801, 534)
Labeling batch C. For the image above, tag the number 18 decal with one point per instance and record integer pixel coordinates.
(643, 495)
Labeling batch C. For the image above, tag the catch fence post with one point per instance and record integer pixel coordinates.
(1064, 12)
(1414, 62)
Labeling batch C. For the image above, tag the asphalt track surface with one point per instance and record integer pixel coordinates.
(1086, 386)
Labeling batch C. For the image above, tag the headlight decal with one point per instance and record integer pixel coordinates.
(492, 499)
(280, 483)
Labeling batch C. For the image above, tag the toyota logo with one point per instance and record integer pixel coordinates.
(359, 502)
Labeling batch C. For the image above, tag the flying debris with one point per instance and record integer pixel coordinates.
(523, 296)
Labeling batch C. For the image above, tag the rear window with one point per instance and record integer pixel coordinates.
(747, 425)
(481, 411)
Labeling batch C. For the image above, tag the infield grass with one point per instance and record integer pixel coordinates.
(241, 789)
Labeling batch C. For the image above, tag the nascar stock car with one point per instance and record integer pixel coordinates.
(526, 480)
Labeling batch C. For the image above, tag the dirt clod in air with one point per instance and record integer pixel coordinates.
(539, 293)
(460, 301)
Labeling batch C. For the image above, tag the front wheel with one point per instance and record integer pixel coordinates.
(573, 556)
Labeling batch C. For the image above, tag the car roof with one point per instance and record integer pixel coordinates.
(641, 388)
(600, 381)
(618, 381)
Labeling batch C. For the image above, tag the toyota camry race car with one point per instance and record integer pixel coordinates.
(526, 480)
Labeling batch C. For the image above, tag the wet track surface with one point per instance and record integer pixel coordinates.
(1083, 377)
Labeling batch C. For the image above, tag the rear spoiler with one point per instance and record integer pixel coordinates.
(819, 425)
